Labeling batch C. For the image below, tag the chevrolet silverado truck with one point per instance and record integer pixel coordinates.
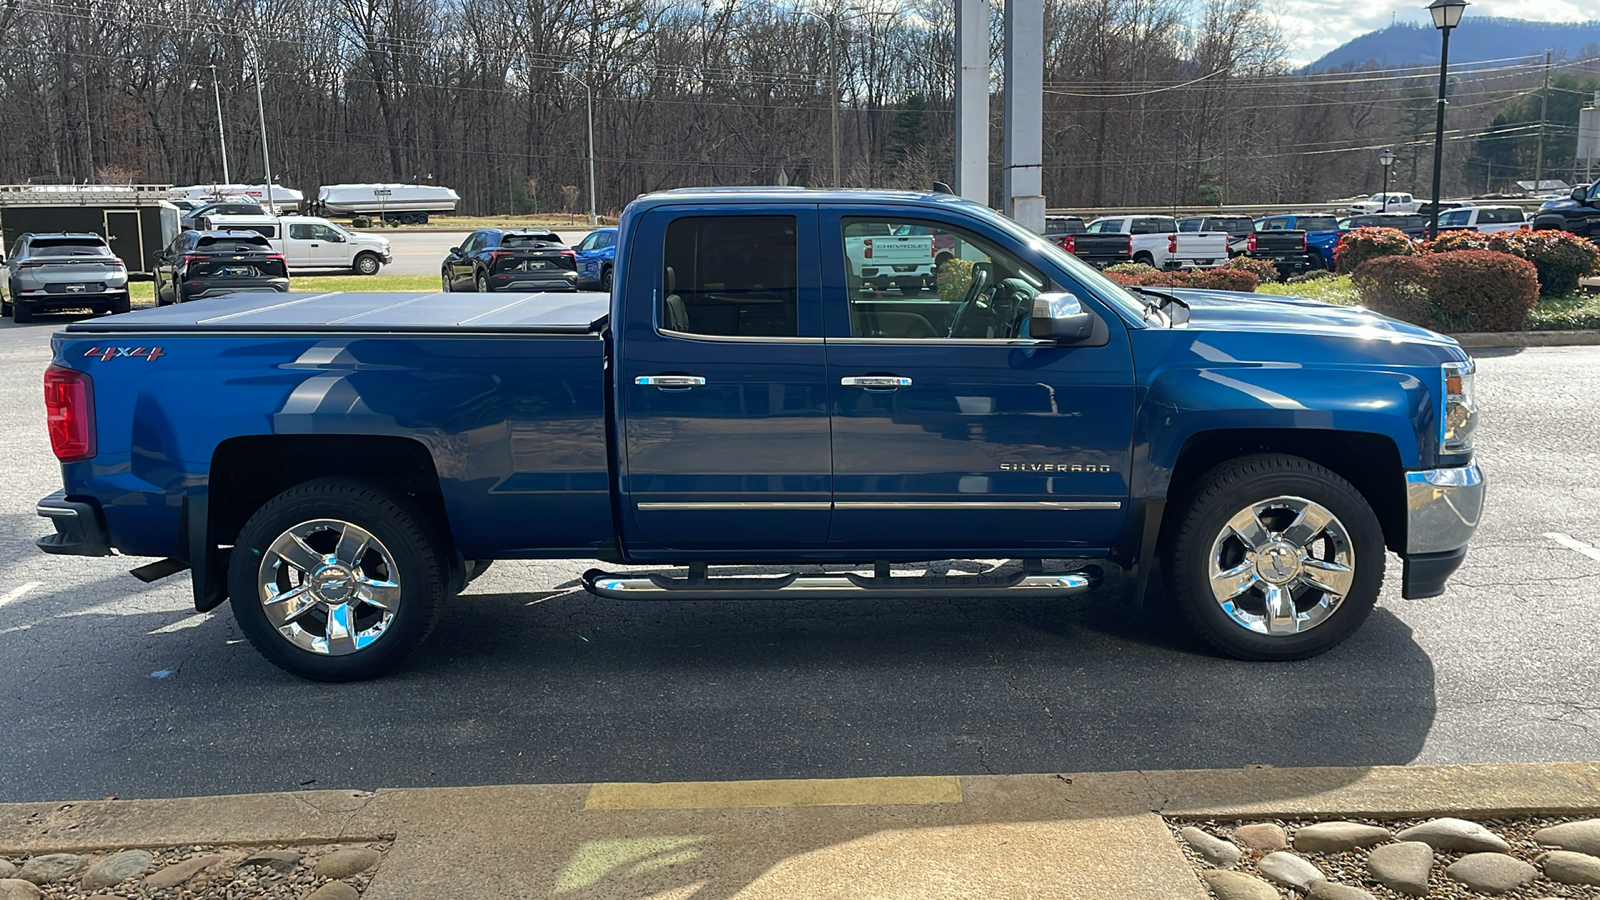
(1158, 242)
(1579, 213)
(336, 466)
(1098, 250)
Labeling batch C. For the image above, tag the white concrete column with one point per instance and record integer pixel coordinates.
(972, 99)
(1023, 143)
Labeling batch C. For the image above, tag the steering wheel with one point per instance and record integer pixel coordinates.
(974, 304)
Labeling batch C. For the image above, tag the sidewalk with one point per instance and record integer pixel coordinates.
(1090, 836)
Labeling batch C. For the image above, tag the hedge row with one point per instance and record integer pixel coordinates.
(1221, 279)
(1457, 290)
(1559, 257)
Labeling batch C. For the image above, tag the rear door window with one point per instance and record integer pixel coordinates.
(731, 276)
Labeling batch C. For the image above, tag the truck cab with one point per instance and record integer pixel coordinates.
(337, 466)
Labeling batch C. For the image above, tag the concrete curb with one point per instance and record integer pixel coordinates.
(1093, 835)
(1484, 340)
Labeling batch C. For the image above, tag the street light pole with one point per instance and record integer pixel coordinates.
(1446, 16)
(1386, 159)
(588, 90)
(266, 158)
(222, 136)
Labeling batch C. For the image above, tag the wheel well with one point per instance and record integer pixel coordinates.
(246, 472)
(1370, 462)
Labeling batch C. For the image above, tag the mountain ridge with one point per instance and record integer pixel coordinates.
(1479, 39)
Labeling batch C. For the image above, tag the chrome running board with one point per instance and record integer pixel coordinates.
(843, 586)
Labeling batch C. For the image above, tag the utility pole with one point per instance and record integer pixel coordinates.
(222, 137)
(266, 158)
(1544, 109)
(588, 90)
(833, 76)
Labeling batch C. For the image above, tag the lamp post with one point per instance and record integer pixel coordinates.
(222, 136)
(1386, 159)
(1446, 15)
(266, 158)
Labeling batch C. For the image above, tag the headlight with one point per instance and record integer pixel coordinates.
(1460, 417)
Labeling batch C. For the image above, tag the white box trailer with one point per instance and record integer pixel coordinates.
(286, 199)
(401, 204)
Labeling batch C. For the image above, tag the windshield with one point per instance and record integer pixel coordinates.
(1080, 271)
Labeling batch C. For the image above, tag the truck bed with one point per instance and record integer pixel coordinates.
(339, 312)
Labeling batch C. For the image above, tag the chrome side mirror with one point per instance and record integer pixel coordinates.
(1059, 316)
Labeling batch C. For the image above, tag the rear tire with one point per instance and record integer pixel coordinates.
(1144, 258)
(605, 279)
(481, 283)
(1268, 527)
(21, 313)
(5, 307)
(334, 580)
(367, 264)
(121, 306)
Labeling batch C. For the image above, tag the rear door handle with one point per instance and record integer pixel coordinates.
(875, 381)
(670, 381)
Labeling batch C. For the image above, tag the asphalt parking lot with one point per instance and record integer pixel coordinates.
(113, 687)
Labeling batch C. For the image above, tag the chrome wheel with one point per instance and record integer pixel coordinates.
(329, 587)
(1282, 566)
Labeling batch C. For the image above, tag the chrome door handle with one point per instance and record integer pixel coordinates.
(875, 381)
(670, 381)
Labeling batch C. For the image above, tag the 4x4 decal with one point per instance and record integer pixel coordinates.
(106, 354)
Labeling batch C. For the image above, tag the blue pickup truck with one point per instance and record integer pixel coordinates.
(340, 464)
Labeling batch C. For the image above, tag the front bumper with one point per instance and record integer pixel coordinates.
(80, 527)
(1443, 507)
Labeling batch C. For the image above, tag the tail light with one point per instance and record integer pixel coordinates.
(1130, 246)
(868, 245)
(1305, 244)
(496, 255)
(191, 259)
(69, 413)
(1069, 243)
(1250, 244)
(1172, 243)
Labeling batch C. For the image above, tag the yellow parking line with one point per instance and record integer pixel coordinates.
(906, 791)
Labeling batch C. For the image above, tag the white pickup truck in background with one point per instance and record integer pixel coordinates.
(885, 257)
(1158, 242)
(309, 242)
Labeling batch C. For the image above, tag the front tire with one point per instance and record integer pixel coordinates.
(445, 284)
(367, 264)
(333, 580)
(1274, 557)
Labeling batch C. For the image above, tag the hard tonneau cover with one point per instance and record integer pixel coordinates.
(547, 313)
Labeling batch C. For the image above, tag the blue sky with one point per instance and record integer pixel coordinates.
(1313, 27)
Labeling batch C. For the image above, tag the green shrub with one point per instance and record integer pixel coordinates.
(954, 278)
(361, 222)
(1312, 275)
(1222, 279)
(1262, 269)
(1363, 244)
(1130, 268)
(1461, 290)
(1561, 258)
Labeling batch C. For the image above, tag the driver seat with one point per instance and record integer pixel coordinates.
(674, 312)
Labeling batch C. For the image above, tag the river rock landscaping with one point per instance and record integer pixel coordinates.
(1439, 858)
(311, 872)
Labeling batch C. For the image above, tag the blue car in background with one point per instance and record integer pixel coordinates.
(1322, 234)
(597, 254)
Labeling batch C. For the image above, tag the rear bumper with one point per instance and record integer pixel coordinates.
(522, 281)
(1443, 507)
(279, 285)
(80, 527)
(42, 302)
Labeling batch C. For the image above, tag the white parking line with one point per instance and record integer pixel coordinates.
(193, 621)
(16, 593)
(1570, 543)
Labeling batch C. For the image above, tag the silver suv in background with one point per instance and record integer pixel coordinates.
(47, 272)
